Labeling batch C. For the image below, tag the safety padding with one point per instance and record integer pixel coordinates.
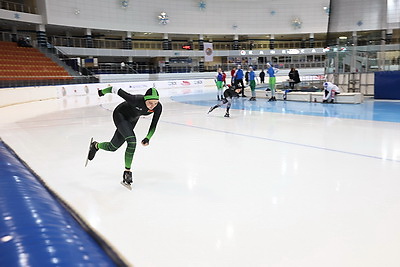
(291, 96)
(342, 98)
(36, 229)
(387, 85)
(296, 96)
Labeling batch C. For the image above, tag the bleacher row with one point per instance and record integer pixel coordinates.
(27, 63)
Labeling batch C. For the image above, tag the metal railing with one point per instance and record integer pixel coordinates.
(175, 45)
(17, 7)
(116, 68)
(372, 58)
(45, 81)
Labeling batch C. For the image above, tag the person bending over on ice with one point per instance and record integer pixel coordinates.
(229, 93)
(330, 91)
(125, 117)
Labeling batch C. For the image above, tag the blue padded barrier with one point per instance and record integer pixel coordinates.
(387, 85)
(36, 229)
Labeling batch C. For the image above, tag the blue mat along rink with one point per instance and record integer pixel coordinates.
(369, 110)
(36, 229)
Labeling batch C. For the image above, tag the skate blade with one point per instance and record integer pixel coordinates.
(128, 186)
(87, 158)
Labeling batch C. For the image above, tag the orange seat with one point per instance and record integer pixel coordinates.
(23, 63)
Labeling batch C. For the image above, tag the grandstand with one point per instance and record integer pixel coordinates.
(28, 63)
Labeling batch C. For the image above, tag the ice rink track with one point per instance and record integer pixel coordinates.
(277, 184)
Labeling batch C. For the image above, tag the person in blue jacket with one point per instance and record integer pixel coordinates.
(239, 75)
(272, 80)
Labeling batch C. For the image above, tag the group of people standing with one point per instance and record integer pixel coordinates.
(237, 76)
(237, 87)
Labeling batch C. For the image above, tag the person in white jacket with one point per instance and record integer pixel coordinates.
(330, 91)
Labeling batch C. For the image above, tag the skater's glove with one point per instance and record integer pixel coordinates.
(145, 141)
(100, 93)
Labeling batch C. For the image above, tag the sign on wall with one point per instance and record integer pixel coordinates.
(208, 52)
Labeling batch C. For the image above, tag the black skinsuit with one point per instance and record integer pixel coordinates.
(125, 117)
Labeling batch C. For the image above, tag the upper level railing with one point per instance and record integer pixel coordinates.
(155, 44)
(17, 7)
(175, 45)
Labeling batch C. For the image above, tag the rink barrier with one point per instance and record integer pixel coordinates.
(342, 98)
(387, 85)
(37, 228)
(13, 96)
(168, 84)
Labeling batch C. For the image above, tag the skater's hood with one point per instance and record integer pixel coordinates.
(151, 94)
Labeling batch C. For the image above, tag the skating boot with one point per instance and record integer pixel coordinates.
(325, 101)
(92, 150)
(218, 98)
(332, 101)
(212, 108)
(127, 180)
(226, 115)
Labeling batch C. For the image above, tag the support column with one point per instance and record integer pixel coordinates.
(166, 68)
(303, 42)
(14, 33)
(166, 42)
(272, 42)
(130, 60)
(312, 42)
(127, 43)
(201, 42)
(354, 38)
(68, 40)
(236, 42)
(201, 65)
(89, 39)
(388, 36)
(190, 42)
(41, 35)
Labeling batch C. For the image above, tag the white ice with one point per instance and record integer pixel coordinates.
(256, 189)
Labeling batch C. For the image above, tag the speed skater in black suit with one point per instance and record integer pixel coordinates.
(229, 93)
(125, 117)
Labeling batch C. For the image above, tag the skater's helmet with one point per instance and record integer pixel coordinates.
(325, 84)
(151, 94)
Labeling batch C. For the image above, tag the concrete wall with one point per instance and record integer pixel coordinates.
(357, 15)
(186, 17)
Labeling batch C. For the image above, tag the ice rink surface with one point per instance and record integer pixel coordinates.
(277, 184)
